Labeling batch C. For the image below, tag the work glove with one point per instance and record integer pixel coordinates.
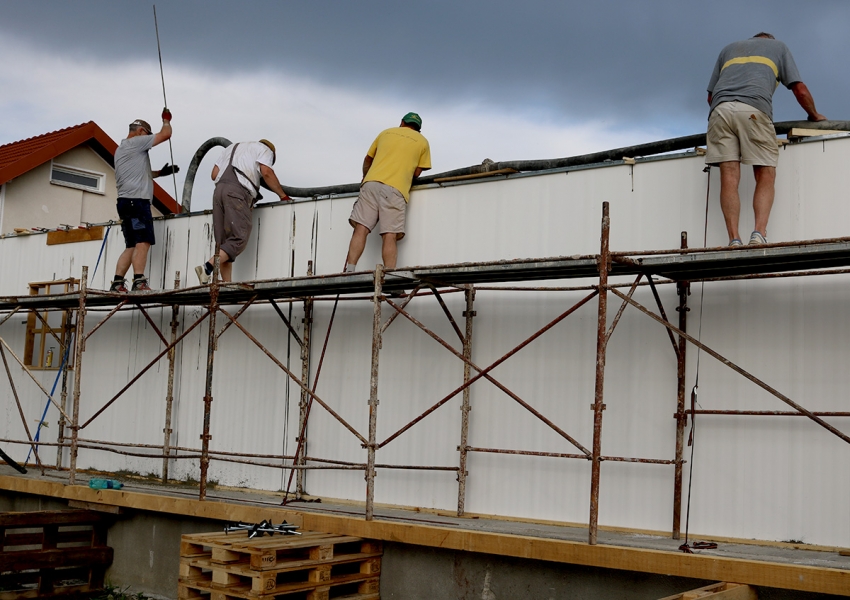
(168, 170)
(166, 115)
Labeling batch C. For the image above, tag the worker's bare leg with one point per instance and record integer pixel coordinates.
(389, 249)
(124, 261)
(357, 244)
(730, 201)
(140, 257)
(225, 266)
(763, 196)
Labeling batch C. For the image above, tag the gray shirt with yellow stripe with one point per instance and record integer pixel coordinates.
(750, 71)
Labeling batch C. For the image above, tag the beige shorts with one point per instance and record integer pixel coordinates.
(380, 203)
(740, 133)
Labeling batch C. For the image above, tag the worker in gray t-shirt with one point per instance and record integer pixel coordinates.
(134, 180)
(740, 123)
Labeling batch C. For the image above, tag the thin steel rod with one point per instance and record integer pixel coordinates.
(208, 381)
(49, 329)
(145, 369)
(698, 250)
(683, 288)
(10, 315)
(169, 396)
(372, 445)
(78, 374)
(492, 366)
(647, 461)
(20, 408)
(36, 381)
(466, 404)
(765, 413)
(105, 319)
(70, 331)
(404, 303)
(489, 378)
(622, 309)
(739, 370)
(286, 322)
(598, 404)
(238, 313)
(292, 376)
(304, 400)
(449, 316)
(152, 324)
(662, 312)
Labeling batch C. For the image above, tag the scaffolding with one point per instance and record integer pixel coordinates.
(395, 290)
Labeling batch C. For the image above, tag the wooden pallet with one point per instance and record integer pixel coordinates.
(718, 591)
(56, 553)
(315, 566)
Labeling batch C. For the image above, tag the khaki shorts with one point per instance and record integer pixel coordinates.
(380, 203)
(740, 133)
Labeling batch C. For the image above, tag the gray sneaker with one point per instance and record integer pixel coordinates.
(735, 243)
(757, 239)
(202, 275)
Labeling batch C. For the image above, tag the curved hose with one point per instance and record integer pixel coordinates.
(660, 147)
(189, 182)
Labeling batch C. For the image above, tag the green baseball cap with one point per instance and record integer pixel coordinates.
(412, 118)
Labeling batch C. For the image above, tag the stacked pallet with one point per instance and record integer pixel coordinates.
(312, 566)
(52, 553)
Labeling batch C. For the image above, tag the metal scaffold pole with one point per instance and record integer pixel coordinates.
(465, 405)
(211, 346)
(169, 399)
(598, 405)
(683, 288)
(373, 393)
(305, 397)
(78, 374)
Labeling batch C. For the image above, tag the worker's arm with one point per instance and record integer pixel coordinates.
(367, 164)
(166, 170)
(709, 98)
(165, 132)
(804, 99)
(270, 177)
(214, 172)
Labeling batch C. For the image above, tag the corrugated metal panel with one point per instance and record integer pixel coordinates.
(761, 477)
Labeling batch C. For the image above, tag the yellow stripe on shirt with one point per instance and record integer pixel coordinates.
(763, 60)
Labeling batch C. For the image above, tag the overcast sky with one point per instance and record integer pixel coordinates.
(320, 78)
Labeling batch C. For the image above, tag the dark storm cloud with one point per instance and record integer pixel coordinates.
(623, 63)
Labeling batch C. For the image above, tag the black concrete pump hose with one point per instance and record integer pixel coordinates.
(660, 147)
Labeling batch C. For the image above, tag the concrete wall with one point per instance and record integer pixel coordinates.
(147, 551)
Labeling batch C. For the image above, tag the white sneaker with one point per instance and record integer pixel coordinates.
(202, 274)
(757, 239)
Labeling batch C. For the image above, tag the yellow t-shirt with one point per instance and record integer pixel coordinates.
(397, 152)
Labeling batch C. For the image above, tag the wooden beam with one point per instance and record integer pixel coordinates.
(798, 132)
(696, 566)
(74, 235)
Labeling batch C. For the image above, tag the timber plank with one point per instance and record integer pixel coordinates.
(62, 236)
(55, 557)
(353, 586)
(718, 591)
(50, 517)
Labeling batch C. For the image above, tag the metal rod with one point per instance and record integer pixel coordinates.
(739, 370)
(145, 370)
(20, 408)
(622, 309)
(10, 315)
(152, 324)
(78, 374)
(489, 378)
(372, 445)
(106, 318)
(466, 405)
(306, 347)
(448, 314)
(598, 405)
(404, 303)
(169, 397)
(239, 312)
(164, 99)
(765, 413)
(683, 288)
(36, 381)
(485, 371)
(663, 313)
(70, 330)
(211, 346)
(286, 322)
(647, 461)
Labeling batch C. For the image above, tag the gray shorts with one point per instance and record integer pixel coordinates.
(380, 203)
(737, 132)
(232, 220)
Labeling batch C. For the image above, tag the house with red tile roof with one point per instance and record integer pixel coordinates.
(65, 177)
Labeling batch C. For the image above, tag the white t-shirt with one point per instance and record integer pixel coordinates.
(249, 157)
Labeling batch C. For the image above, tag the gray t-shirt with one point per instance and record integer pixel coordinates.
(133, 176)
(750, 71)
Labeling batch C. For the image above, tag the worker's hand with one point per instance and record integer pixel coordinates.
(166, 115)
(285, 198)
(817, 117)
(168, 170)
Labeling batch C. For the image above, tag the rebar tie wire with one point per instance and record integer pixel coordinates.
(689, 548)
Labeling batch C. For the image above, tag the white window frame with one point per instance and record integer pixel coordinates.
(101, 178)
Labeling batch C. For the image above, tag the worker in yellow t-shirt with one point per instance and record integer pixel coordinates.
(396, 157)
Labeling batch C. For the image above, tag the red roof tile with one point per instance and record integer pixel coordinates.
(20, 157)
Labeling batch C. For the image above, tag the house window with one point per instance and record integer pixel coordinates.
(49, 332)
(77, 178)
